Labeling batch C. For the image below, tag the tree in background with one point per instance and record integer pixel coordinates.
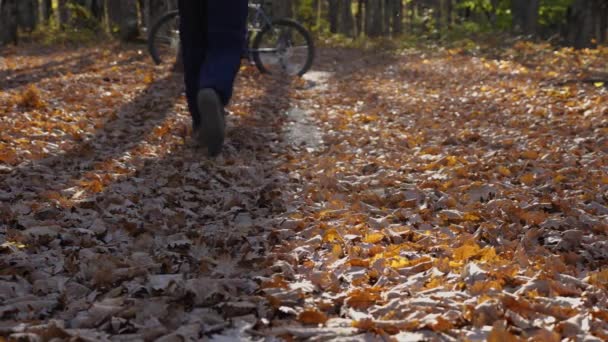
(580, 23)
(8, 21)
(587, 23)
(374, 20)
(27, 14)
(123, 18)
(525, 15)
(47, 11)
(346, 18)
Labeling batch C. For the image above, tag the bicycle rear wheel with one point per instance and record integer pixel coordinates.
(163, 40)
(286, 47)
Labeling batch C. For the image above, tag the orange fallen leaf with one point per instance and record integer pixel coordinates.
(312, 316)
(362, 298)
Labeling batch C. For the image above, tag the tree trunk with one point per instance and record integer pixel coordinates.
(63, 12)
(397, 17)
(386, 17)
(95, 7)
(123, 16)
(359, 17)
(155, 9)
(373, 18)
(603, 24)
(27, 14)
(525, 15)
(333, 15)
(47, 10)
(347, 21)
(586, 19)
(8, 22)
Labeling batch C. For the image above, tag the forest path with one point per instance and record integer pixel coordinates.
(437, 194)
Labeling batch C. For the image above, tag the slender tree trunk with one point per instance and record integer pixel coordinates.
(8, 22)
(123, 15)
(63, 12)
(586, 23)
(602, 21)
(333, 15)
(373, 18)
(525, 15)
(386, 17)
(347, 21)
(47, 10)
(397, 14)
(359, 17)
(27, 14)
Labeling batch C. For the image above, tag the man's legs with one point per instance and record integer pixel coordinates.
(226, 34)
(192, 34)
(213, 35)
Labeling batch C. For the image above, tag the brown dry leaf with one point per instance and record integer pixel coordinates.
(500, 334)
(312, 316)
(362, 298)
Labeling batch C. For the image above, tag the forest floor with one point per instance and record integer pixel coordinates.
(434, 194)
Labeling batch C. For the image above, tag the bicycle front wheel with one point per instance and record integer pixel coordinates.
(285, 47)
(163, 40)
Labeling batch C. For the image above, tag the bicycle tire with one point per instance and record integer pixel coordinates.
(153, 49)
(289, 23)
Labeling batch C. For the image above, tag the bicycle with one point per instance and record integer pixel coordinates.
(281, 46)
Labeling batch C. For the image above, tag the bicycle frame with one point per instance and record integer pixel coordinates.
(255, 26)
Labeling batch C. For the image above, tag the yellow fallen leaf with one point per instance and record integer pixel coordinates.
(488, 254)
(149, 78)
(332, 235)
(336, 250)
(598, 84)
(451, 160)
(599, 278)
(434, 282)
(373, 238)
(470, 217)
(466, 251)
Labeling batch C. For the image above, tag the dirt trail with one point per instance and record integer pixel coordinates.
(436, 195)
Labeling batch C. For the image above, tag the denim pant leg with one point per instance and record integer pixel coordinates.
(226, 35)
(192, 34)
(213, 36)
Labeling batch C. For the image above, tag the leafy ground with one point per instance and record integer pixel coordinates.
(456, 194)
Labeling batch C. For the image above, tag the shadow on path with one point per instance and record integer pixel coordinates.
(180, 242)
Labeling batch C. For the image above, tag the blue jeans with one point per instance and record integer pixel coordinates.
(213, 34)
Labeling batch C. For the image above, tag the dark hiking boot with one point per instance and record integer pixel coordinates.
(213, 125)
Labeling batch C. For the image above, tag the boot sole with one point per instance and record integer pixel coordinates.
(212, 121)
